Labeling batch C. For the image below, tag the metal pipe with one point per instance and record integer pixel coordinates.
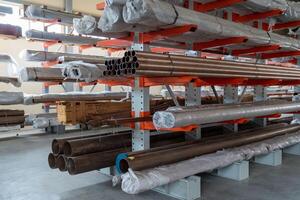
(172, 118)
(61, 163)
(52, 160)
(173, 155)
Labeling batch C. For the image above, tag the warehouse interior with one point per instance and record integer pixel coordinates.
(150, 99)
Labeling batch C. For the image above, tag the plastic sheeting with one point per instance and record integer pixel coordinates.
(37, 12)
(13, 67)
(11, 98)
(64, 38)
(44, 122)
(87, 25)
(158, 14)
(112, 21)
(83, 71)
(40, 56)
(185, 116)
(134, 182)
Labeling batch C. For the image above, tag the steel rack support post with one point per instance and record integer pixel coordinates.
(260, 94)
(295, 149)
(231, 97)
(140, 104)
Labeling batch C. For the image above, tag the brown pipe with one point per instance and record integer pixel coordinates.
(99, 160)
(169, 156)
(57, 144)
(52, 161)
(61, 163)
(105, 143)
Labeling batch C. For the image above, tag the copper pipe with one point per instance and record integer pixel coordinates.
(61, 163)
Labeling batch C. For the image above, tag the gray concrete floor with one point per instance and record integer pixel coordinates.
(25, 175)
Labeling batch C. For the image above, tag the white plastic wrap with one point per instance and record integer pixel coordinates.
(13, 67)
(83, 71)
(64, 38)
(37, 12)
(11, 98)
(172, 118)
(134, 182)
(112, 21)
(159, 14)
(44, 122)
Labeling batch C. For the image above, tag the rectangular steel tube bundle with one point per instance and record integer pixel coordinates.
(173, 155)
(152, 64)
(185, 116)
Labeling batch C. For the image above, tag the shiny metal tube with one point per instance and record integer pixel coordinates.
(177, 118)
(153, 159)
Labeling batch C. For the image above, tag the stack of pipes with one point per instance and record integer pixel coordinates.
(92, 152)
(136, 63)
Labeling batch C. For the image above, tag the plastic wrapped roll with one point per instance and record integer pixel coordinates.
(112, 21)
(87, 25)
(83, 71)
(40, 56)
(39, 13)
(10, 31)
(159, 14)
(11, 98)
(63, 38)
(185, 116)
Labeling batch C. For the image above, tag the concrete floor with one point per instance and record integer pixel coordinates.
(25, 175)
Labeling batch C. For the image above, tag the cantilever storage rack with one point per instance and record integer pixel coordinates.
(190, 188)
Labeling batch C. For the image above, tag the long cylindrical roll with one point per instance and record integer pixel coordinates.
(153, 159)
(73, 96)
(43, 75)
(40, 56)
(159, 14)
(37, 12)
(60, 37)
(172, 118)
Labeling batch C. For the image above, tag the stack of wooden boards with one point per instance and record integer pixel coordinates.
(12, 117)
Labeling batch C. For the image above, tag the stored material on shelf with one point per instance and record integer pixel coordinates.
(39, 13)
(150, 159)
(160, 14)
(87, 25)
(79, 70)
(43, 74)
(12, 80)
(36, 35)
(10, 31)
(73, 96)
(185, 116)
(134, 182)
(136, 63)
(40, 56)
(11, 98)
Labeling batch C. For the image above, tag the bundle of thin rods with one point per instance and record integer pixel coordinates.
(92, 152)
(137, 63)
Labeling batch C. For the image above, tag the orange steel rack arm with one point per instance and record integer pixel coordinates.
(254, 50)
(219, 42)
(217, 4)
